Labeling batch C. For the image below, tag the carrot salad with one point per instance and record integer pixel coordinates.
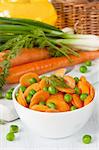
(54, 93)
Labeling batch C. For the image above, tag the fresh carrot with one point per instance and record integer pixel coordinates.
(39, 96)
(24, 80)
(48, 65)
(58, 99)
(43, 84)
(66, 90)
(21, 99)
(77, 102)
(70, 81)
(41, 108)
(34, 86)
(88, 100)
(27, 56)
(83, 86)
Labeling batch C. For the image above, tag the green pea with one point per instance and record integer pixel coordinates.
(83, 69)
(52, 90)
(32, 80)
(8, 95)
(76, 79)
(28, 98)
(32, 92)
(83, 96)
(73, 108)
(14, 128)
(88, 63)
(45, 89)
(10, 136)
(1, 96)
(42, 103)
(22, 88)
(86, 139)
(77, 90)
(67, 98)
(51, 105)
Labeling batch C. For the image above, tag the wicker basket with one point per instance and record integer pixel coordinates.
(83, 17)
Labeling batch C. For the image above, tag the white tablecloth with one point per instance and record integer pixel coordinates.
(25, 141)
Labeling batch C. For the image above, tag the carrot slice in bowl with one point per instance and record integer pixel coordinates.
(70, 81)
(58, 100)
(41, 108)
(39, 96)
(24, 80)
(21, 99)
(88, 100)
(83, 86)
(34, 86)
(66, 90)
(43, 84)
(76, 101)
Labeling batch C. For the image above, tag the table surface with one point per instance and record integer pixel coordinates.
(25, 141)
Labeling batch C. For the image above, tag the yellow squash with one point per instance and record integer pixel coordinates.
(40, 10)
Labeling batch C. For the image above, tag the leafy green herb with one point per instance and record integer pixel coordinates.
(56, 81)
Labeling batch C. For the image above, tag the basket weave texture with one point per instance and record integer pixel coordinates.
(83, 17)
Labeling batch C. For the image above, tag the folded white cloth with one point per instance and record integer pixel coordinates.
(7, 110)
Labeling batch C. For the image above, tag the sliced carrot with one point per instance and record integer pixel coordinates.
(41, 108)
(92, 91)
(66, 90)
(61, 105)
(83, 86)
(24, 80)
(83, 78)
(34, 86)
(39, 96)
(43, 84)
(52, 110)
(77, 102)
(72, 102)
(60, 72)
(48, 65)
(21, 99)
(88, 100)
(70, 81)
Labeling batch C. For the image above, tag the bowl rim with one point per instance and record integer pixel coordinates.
(54, 113)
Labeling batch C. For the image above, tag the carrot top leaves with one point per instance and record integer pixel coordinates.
(26, 33)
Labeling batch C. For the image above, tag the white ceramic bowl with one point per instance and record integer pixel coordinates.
(53, 125)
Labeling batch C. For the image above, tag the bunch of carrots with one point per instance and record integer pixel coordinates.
(39, 61)
(54, 93)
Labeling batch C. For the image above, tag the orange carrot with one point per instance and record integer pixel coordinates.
(39, 96)
(83, 86)
(88, 100)
(48, 65)
(58, 99)
(21, 99)
(24, 80)
(70, 81)
(66, 90)
(77, 102)
(34, 86)
(41, 108)
(27, 56)
(43, 84)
